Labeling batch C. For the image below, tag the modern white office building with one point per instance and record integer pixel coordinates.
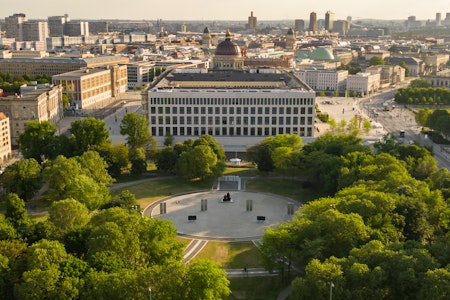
(237, 106)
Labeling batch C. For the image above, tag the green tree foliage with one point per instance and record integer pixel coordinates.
(375, 61)
(136, 128)
(37, 140)
(138, 161)
(68, 214)
(16, 212)
(418, 95)
(23, 178)
(420, 83)
(67, 178)
(116, 157)
(88, 134)
(206, 280)
(198, 162)
(262, 153)
(422, 115)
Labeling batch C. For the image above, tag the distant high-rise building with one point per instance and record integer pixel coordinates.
(35, 31)
(77, 28)
(341, 27)
(252, 21)
(438, 19)
(447, 16)
(329, 20)
(57, 25)
(313, 25)
(14, 26)
(299, 25)
(349, 19)
(96, 27)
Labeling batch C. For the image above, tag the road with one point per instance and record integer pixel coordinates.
(401, 118)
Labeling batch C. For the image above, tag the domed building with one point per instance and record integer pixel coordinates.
(322, 54)
(228, 56)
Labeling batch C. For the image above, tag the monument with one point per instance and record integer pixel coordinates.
(227, 197)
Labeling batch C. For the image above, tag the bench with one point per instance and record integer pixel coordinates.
(192, 218)
(260, 218)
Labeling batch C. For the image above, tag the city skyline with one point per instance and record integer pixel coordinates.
(226, 10)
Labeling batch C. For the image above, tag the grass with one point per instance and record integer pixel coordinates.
(151, 191)
(236, 255)
(255, 288)
(290, 188)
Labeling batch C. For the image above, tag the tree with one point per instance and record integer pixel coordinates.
(136, 128)
(16, 212)
(419, 83)
(375, 61)
(422, 116)
(207, 280)
(68, 214)
(95, 167)
(23, 178)
(404, 66)
(67, 179)
(37, 139)
(199, 162)
(117, 158)
(88, 134)
(166, 159)
(138, 161)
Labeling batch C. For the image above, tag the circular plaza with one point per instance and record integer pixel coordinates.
(212, 215)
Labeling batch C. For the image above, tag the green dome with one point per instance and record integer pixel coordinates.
(322, 53)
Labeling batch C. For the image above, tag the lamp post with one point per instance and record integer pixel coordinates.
(150, 292)
(331, 290)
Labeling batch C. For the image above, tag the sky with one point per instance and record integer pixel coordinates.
(225, 10)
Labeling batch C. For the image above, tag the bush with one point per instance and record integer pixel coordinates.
(323, 117)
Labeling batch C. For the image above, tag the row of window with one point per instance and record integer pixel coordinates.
(224, 131)
(232, 101)
(231, 120)
(203, 110)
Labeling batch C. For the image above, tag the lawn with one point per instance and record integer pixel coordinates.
(256, 288)
(236, 255)
(151, 191)
(290, 188)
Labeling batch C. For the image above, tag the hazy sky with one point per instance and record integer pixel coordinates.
(224, 10)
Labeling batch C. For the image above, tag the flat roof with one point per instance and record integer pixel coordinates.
(226, 80)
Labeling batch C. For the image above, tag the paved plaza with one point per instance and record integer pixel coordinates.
(224, 220)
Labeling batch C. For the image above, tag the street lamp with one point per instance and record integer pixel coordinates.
(331, 290)
(150, 292)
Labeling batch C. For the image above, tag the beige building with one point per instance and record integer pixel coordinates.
(88, 88)
(434, 63)
(52, 66)
(325, 80)
(363, 83)
(389, 74)
(35, 102)
(5, 139)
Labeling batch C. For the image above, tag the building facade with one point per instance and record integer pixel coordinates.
(325, 80)
(14, 26)
(53, 66)
(329, 21)
(363, 83)
(35, 102)
(89, 88)
(35, 31)
(313, 25)
(5, 139)
(237, 106)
